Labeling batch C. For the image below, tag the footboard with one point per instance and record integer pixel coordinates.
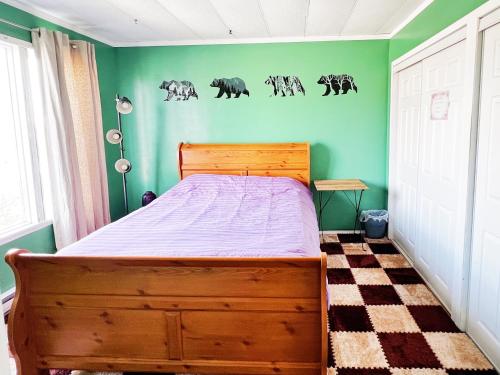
(193, 315)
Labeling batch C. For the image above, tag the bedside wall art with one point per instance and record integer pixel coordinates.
(336, 83)
(285, 85)
(230, 86)
(180, 90)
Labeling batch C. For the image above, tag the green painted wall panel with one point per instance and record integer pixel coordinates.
(41, 241)
(436, 17)
(347, 132)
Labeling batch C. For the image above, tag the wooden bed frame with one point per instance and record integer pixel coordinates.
(185, 315)
(269, 159)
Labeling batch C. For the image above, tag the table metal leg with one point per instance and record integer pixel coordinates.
(358, 205)
(322, 206)
(355, 211)
(320, 214)
(357, 208)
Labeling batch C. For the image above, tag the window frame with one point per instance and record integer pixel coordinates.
(29, 149)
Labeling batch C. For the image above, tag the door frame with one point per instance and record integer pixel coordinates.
(468, 28)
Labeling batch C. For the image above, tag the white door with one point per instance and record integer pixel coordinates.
(484, 300)
(404, 194)
(441, 170)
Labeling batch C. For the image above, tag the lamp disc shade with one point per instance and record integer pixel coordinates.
(123, 166)
(114, 136)
(124, 105)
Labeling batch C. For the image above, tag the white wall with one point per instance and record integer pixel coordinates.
(4, 354)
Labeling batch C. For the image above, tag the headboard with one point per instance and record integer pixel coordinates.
(264, 159)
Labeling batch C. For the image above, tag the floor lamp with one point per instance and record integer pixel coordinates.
(115, 136)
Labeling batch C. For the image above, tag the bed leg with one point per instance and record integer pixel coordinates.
(21, 341)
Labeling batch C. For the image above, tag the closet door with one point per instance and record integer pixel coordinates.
(441, 167)
(406, 153)
(484, 301)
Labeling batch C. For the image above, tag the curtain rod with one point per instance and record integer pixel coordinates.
(15, 25)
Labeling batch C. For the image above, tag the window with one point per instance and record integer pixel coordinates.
(21, 203)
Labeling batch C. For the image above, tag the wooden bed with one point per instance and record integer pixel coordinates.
(185, 315)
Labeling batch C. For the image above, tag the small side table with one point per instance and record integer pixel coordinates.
(331, 187)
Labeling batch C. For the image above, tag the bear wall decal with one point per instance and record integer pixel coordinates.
(230, 86)
(182, 90)
(336, 83)
(286, 85)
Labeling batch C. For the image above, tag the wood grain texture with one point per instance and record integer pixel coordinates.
(226, 335)
(191, 367)
(168, 303)
(202, 315)
(340, 185)
(272, 159)
(174, 335)
(100, 332)
(20, 324)
(324, 314)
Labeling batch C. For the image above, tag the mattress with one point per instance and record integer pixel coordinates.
(217, 216)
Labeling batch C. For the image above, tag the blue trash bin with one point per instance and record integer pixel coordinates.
(375, 222)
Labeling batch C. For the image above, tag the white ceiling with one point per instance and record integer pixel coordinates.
(172, 22)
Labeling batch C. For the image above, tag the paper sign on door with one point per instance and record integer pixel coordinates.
(440, 103)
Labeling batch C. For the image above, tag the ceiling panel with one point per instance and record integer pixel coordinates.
(151, 14)
(406, 9)
(115, 19)
(243, 17)
(56, 8)
(105, 19)
(199, 15)
(143, 22)
(285, 18)
(368, 16)
(328, 17)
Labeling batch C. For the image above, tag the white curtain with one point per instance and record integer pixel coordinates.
(74, 135)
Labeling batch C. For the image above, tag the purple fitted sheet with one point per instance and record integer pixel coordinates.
(214, 215)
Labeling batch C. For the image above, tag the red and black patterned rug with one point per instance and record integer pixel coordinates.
(384, 319)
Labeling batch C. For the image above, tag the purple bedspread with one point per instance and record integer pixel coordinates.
(214, 215)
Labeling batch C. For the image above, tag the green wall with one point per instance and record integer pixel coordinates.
(41, 241)
(436, 17)
(347, 132)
